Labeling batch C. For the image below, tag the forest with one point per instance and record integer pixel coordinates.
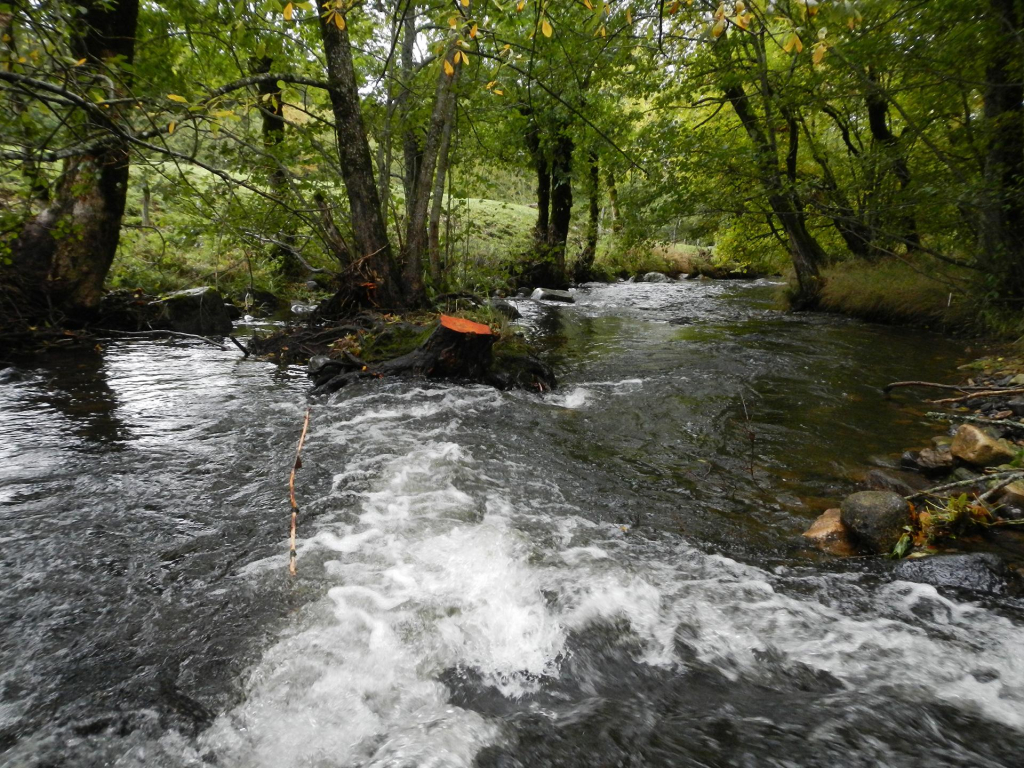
(511, 383)
(396, 152)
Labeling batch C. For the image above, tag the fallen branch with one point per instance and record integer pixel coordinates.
(174, 334)
(991, 492)
(1016, 473)
(245, 352)
(982, 393)
(1010, 423)
(291, 492)
(888, 387)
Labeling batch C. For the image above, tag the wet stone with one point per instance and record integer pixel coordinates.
(978, 572)
(551, 294)
(875, 519)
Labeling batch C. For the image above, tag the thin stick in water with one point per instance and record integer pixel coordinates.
(291, 492)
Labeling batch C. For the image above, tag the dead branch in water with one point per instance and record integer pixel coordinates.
(171, 334)
(291, 492)
(1009, 423)
(959, 388)
(982, 393)
(1012, 474)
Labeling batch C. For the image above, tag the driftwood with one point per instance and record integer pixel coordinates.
(1007, 423)
(1012, 474)
(297, 465)
(981, 393)
(959, 388)
(171, 334)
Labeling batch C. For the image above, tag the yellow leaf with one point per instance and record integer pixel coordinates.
(448, 68)
(629, 17)
(491, 84)
(465, 3)
(740, 7)
(472, 31)
(719, 28)
(339, 21)
(453, 22)
(601, 31)
(819, 54)
(799, 44)
(498, 91)
(545, 27)
(177, 98)
(521, 5)
(590, 6)
(80, 62)
(674, 8)
(170, 127)
(288, 11)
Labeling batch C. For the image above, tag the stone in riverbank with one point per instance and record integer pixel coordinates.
(875, 519)
(829, 534)
(979, 572)
(551, 294)
(655, 277)
(197, 310)
(977, 447)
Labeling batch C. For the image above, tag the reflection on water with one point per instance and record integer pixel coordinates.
(608, 574)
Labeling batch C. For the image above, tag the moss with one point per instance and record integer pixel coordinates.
(394, 340)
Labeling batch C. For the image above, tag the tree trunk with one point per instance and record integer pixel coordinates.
(411, 148)
(804, 250)
(271, 109)
(62, 256)
(543, 171)
(585, 265)
(416, 233)
(613, 201)
(561, 207)
(372, 270)
(878, 113)
(437, 202)
(1002, 206)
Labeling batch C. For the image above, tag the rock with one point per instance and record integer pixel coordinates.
(928, 461)
(829, 534)
(655, 277)
(977, 447)
(303, 309)
(1017, 381)
(942, 441)
(312, 285)
(523, 292)
(904, 483)
(197, 310)
(875, 519)
(1010, 501)
(1016, 404)
(233, 312)
(551, 294)
(978, 572)
(631, 279)
(505, 308)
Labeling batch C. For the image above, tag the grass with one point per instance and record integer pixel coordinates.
(899, 291)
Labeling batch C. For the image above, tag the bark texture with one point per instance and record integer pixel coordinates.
(61, 256)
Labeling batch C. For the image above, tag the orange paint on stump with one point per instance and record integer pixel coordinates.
(460, 325)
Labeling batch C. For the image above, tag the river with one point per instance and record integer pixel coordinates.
(610, 574)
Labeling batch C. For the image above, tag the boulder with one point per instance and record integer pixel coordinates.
(552, 294)
(875, 519)
(505, 308)
(975, 446)
(655, 277)
(829, 534)
(903, 483)
(1010, 501)
(929, 461)
(197, 310)
(978, 572)
(1016, 405)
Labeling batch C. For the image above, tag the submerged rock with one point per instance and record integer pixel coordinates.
(197, 310)
(976, 446)
(978, 572)
(655, 277)
(930, 461)
(875, 519)
(552, 294)
(903, 483)
(829, 534)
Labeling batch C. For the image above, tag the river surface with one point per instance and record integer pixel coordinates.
(610, 574)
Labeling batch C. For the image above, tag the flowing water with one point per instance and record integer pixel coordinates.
(607, 575)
